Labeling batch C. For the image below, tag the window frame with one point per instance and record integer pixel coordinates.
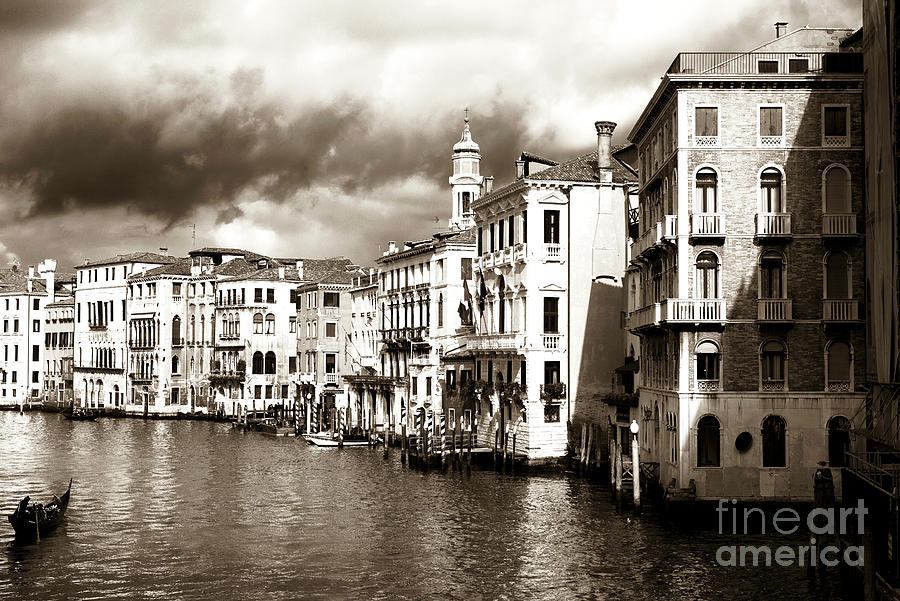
(707, 139)
(701, 441)
(785, 450)
(763, 380)
(772, 143)
(846, 137)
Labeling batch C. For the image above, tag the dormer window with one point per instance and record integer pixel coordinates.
(262, 264)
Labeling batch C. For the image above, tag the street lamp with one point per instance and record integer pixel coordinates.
(635, 465)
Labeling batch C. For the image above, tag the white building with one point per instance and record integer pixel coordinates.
(59, 341)
(23, 301)
(548, 337)
(101, 327)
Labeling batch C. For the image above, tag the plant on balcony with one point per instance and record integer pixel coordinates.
(553, 392)
(241, 366)
(510, 392)
(217, 366)
(621, 398)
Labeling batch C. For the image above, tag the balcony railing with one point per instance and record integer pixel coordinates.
(487, 260)
(770, 141)
(772, 385)
(671, 231)
(835, 141)
(553, 252)
(706, 141)
(331, 379)
(489, 342)
(775, 225)
(839, 224)
(707, 385)
(644, 317)
(552, 342)
(695, 310)
(748, 63)
(707, 224)
(661, 230)
(520, 252)
(840, 310)
(774, 309)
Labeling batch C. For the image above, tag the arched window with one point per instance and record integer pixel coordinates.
(176, 330)
(174, 364)
(203, 328)
(838, 440)
(708, 442)
(772, 365)
(705, 200)
(270, 323)
(258, 323)
(839, 366)
(258, 361)
(440, 315)
(707, 275)
(837, 276)
(774, 442)
(270, 362)
(837, 190)
(708, 359)
(193, 328)
(770, 191)
(771, 275)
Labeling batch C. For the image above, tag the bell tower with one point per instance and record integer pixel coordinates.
(466, 180)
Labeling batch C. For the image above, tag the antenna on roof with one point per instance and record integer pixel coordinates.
(193, 236)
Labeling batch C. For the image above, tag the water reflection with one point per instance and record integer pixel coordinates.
(201, 511)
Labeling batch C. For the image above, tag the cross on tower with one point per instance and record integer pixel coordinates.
(467, 114)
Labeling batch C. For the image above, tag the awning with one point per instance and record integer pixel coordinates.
(631, 365)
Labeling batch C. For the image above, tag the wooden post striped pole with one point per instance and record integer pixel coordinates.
(404, 442)
(340, 426)
(443, 440)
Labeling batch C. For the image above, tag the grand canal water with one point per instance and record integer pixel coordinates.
(196, 510)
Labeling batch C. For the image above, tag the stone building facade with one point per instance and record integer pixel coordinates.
(59, 341)
(751, 268)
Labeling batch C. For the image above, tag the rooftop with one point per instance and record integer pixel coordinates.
(134, 257)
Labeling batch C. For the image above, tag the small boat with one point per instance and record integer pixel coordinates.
(82, 414)
(31, 521)
(270, 427)
(324, 439)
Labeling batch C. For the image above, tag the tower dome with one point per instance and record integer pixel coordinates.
(466, 143)
(466, 180)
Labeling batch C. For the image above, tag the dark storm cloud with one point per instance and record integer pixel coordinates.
(28, 17)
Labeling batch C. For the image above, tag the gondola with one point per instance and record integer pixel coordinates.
(82, 415)
(31, 521)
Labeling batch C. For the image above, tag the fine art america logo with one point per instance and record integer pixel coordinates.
(825, 524)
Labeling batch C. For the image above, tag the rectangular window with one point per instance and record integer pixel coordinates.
(551, 315)
(770, 121)
(706, 122)
(767, 66)
(34, 377)
(292, 324)
(465, 268)
(331, 299)
(293, 297)
(35, 352)
(551, 227)
(284, 391)
(270, 295)
(36, 304)
(174, 396)
(480, 242)
(15, 325)
(490, 370)
(257, 295)
(428, 386)
(176, 288)
(512, 230)
(330, 363)
(292, 364)
(551, 413)
(835, 125)
(478, 370)
(257, 391)
(525, 226)
(35, 325)
(491, 247)
(500, 236)
(451, 418)
(415, 385)
(798, 65)
(268, 391)
(523, 373)
(551, 372)
(330, 329)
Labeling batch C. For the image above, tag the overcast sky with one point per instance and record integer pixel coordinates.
(309, 128)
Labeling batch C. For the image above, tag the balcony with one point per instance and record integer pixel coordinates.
(552, 342)
(520, 252)
(329, 311)
(97, 326)
(331, 379)
(706, 141)
(422, 360)
(707, 385)
(748, 63)
(773, 225)
(487, 261)
(553, 252)
(836, 141)
(695, 310)
(708, 225)
(774, 309)
(659, 232)
(496, 342)
(839, 224)
(177, 298)
(840, 310)
(645, 317)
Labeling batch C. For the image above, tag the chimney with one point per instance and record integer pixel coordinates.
(604, 137)
(300, 269)
(489, 184)
(392, 247)
(281, 272)
(47, 269)
(780, 28)
(163, 250)
(86, 260)
(520, 169)
(30, 271)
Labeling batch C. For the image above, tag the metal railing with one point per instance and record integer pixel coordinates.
(765, 63)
